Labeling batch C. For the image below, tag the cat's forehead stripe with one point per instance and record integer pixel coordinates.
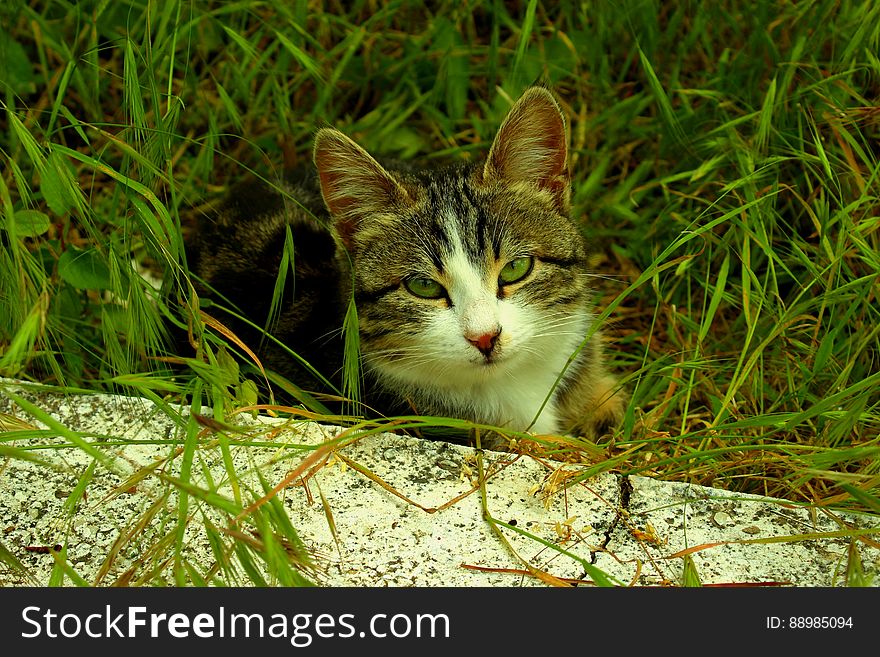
(482, 221)
(464, 215)
(439, 241)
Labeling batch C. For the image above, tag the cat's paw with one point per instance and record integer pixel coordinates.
(600, 408)
(609, 413)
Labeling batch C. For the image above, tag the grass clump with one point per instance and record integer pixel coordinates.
(725, 169)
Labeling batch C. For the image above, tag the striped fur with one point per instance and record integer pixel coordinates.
(480, 348)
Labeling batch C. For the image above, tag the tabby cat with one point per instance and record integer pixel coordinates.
(470, 282)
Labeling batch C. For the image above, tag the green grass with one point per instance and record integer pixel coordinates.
(726, 172)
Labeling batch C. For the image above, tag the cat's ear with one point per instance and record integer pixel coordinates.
(532, 146)
(353, 184)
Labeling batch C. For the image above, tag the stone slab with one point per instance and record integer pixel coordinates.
(380, 510)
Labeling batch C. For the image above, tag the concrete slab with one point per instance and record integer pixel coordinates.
(382, 510)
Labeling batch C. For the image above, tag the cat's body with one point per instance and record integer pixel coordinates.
(470, 282)
(238, 253)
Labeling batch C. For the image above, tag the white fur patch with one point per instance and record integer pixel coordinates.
(506, 390)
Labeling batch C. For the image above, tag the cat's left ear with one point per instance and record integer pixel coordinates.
(532, 147)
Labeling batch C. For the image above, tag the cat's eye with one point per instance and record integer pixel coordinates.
(516, 270)
(425, 288)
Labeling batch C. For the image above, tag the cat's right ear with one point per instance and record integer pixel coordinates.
(353, 183)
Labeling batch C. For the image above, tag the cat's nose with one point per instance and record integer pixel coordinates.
(485, 342)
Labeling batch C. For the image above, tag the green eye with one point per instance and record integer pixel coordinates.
(426, 288)
(515, 270)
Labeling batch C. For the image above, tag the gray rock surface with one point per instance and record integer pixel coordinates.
(378, 510)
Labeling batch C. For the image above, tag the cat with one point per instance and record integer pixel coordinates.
(470, 282)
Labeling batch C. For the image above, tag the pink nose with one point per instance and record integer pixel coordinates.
(485, 342)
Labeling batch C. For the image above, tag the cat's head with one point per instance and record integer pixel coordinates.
(466, 274)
